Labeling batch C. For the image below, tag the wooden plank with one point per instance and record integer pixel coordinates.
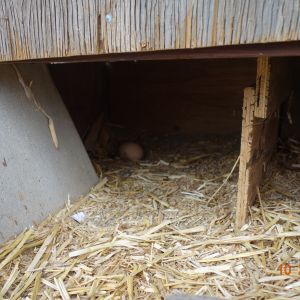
(218, 83)
(42, 29)
(259, 135)
(241, 51)
(250, 171)
(262, 87)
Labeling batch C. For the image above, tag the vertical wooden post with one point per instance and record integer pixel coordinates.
(262, 87)
(259, 129)
(251, 168)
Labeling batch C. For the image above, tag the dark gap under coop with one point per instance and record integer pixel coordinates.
(165, 104)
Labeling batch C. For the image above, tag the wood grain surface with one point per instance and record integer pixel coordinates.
(36, 29)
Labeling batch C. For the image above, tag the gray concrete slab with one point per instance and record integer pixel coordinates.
(36, 178)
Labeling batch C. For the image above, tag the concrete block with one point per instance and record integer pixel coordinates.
(35, 177)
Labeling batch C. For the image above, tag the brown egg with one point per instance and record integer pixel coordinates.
(131, 151)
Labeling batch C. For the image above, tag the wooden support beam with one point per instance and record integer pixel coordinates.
(250, 171)
(262, 87)
(50, 29)
(260, 129)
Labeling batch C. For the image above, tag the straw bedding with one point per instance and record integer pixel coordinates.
(158, 227)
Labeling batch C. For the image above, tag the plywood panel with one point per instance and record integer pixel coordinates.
(185, 96)
(290, 126)
(82, 87)
(61, 28)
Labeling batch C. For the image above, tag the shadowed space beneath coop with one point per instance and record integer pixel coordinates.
(157, 227)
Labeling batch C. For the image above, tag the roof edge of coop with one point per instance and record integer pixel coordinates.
(37, 32)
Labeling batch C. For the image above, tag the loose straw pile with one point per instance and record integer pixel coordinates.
(148, 231)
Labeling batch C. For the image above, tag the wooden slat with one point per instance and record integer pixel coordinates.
(250, 171)
(262, 87)
(259, 135)
(48, 29)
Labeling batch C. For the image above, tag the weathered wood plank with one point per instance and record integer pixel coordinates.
(38, 29)
(259, 134)
(262, 87)
(250, 171)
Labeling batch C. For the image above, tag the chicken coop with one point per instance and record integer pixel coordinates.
(208, 91)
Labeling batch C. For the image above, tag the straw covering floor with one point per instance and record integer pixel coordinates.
(153, 228)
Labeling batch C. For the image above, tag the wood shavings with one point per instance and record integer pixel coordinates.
(142, 239)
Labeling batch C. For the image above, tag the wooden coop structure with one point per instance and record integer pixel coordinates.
(202, 87)
(42, 32)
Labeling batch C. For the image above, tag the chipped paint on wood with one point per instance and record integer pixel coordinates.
(34, 29)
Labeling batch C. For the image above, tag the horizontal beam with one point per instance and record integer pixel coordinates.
(289, 49)
(50, 29)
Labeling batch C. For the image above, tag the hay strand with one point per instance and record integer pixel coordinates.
(154, 233)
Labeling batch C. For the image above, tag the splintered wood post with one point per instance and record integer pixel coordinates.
(250, 171)
(262, 87)
(260, 129)
(255, 108)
